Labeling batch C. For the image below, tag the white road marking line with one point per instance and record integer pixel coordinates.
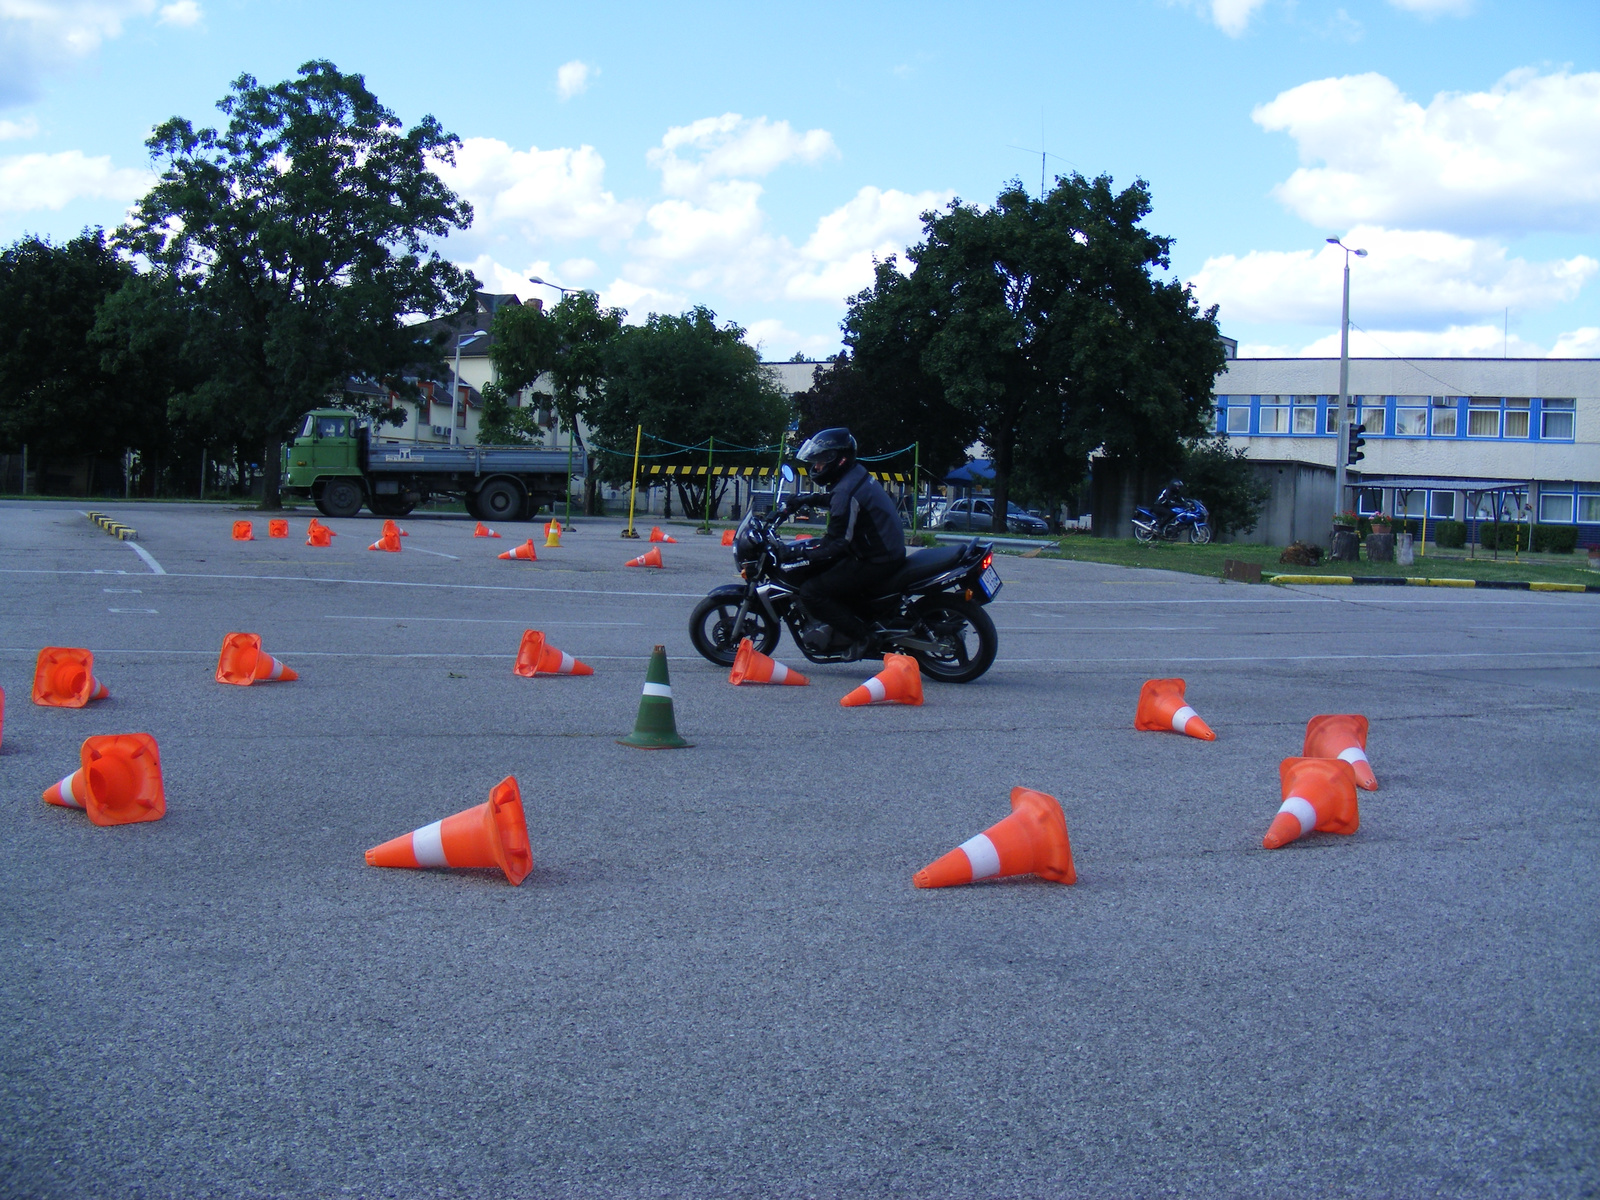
(435, 553)
(131, 610)
(125, 591)
(149, 559)
(462, 587)
(1225, 658)
(288, 652)
(479, 620)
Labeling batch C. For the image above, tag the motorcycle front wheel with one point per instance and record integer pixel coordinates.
(711, 628)
(965, 634)
(1199, 534)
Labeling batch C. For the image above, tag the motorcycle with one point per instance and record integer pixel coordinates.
(932, 609)
(1188, 516)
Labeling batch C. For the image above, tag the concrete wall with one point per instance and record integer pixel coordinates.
(1299, 505)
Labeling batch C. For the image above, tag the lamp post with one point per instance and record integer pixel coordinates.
(565, 291)
(455, 388)
(1342, 448)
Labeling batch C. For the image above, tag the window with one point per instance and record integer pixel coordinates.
(1442, 506)
(1239, 418)
(1483, 416)
(1556, 421)
(330, 427)
(1444, 416)
(1516, 417)
(1274, 415)
(1408, 421)
(1305, 414)
(1589, 510)
(1373, 419)
(1369, 501)
(1409, 503)
(1221, 422)
(308, 427)
(1555, 508)
(1330, 417)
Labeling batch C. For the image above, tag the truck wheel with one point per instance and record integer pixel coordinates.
(499, 500)
(341, 498)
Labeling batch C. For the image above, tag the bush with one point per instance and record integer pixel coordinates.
(1448, 535)
(1222, 477)
(1555, 539)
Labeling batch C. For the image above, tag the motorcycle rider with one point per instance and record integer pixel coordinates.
(1165, 507)
(863, 546)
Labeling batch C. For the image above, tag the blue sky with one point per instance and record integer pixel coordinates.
(755, 158)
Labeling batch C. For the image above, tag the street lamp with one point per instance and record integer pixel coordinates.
(1342, 450)
(548, 284)
(455, 389)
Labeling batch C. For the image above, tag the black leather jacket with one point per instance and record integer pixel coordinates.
(863, 523)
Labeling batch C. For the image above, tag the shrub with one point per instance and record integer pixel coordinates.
(1555, 539)
(1448, 535)
(1221, 476)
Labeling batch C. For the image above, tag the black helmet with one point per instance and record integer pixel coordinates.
(828, 454)
(1176, 485)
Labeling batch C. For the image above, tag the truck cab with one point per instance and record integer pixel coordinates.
(326, 461)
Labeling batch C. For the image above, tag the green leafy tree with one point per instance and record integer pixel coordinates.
(1045, 321)
(686, 379)
(298, 237)
(571, 343)
(1220, 475)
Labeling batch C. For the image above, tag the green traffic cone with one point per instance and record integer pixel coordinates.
(655, 728)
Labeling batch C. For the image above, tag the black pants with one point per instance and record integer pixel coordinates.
(830, 593)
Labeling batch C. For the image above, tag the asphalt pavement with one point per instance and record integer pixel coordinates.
(718, 979)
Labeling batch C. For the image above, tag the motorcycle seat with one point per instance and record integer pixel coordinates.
(922, 565)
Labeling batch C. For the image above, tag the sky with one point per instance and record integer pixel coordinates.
(755, 159)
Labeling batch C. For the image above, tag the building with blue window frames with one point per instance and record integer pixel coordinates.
(1439, 431)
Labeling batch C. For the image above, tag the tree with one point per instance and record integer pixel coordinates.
(1044, 321)
(1221, 476)
(686, 380)
(298, 238)
(572, 343)
(879, 388)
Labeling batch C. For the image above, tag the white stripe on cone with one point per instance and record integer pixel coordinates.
(566, 663)
(1180, 719)
(66, 792)
(980, 852)
(1353, 755)
(277, 669)
(779, 672)
(428, 846)
(658, 689)
(876, 690)
(1302, 811)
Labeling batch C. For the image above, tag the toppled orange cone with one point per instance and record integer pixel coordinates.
(243, 531)
(657, 536)
(1318, 793)
(390, 541)
(316, 524)
(900, 682)
(1342, 736)
(278, 528)
(752, 666)
(524, 551)
(492, 834)
(1031, 841)
(1162, 709)
(535, 656)
(119, 782)
(389, 527)
(482, 530)
(63, 677)
(242, 662)
(727, 537)
(650, 559)
(318, 535)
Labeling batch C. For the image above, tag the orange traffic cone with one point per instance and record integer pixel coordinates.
(243, 663)
(652, 558)
(900, 682)
(389, 527)
(538, 657)
(552, 535)
(657, 536)
(727, 537)
(1162, 709)
(1344, 737)
(1318, 793)
(277, 527)
(1031, 841)
(119, 782)
(492, 834)
(316, 524)
(482, 530)
(318, 535)
(524, 551)
(243, 532)
(390, 541)
(64, 678)
(752, 666)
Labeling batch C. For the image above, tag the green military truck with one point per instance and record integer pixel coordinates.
(335, 461)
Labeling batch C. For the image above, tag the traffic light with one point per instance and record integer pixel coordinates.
(1356, 442)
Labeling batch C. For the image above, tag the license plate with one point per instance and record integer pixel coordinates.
(990, 581)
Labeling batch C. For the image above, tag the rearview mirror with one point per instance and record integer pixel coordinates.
(787, 472)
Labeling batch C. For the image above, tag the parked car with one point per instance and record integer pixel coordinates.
(978, 514)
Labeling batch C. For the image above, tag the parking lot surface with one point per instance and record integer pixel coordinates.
(718, 980)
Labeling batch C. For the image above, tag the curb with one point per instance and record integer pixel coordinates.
(1506, 585)
(116, 529)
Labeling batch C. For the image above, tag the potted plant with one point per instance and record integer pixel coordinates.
(1381, 523)
(1347, 522)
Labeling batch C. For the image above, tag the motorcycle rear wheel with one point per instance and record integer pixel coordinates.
(711, 629)
(966, 633)
(1143, 533)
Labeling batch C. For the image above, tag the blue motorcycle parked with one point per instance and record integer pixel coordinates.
(1188, 516)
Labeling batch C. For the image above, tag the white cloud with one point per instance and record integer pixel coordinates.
(545, 194)
(641, 299)
(1458, 341)
(836, 261)
(495, 277)
(52, 181)
(1424, 279)
(1230, 16)
(180, 12)
(18, 130)
(576, 270)
(1578, 343)
(1522, 156)
(776, 341)
(1435, 8)
(572, 78)
(729, 147)
(40, 35)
